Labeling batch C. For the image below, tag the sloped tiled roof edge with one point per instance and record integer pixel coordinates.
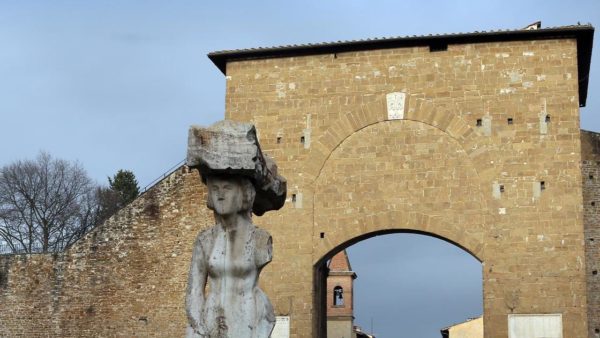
(584, 34)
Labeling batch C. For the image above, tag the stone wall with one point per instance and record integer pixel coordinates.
(486, 156)
(590, 172)
(126, 278)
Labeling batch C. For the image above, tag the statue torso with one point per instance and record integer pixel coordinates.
(234, 261)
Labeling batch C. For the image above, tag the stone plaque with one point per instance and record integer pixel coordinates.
(282, 327)
(395, 105)
(535, 326)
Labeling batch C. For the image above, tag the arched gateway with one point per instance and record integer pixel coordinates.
(471, 138)
(426, 185)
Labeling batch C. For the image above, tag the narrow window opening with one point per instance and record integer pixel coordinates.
(302, 139)
(591, 239)
(322, 235)
(293, 198)
(547, 118)
(479, 123)
(438, 47)
(595, 272)
(501, 188)
(542, 185)
(597, 330)
(338, 296)
(509, 120)
(278, 139)
(591, 177)
(593, 204)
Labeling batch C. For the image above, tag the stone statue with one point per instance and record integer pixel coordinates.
(223, 298)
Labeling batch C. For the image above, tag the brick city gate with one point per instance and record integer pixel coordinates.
(473, 138)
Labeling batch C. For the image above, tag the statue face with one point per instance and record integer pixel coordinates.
(226, 195)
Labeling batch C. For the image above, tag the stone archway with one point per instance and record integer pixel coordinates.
(409, 177)
(321, 271)
(419, 110)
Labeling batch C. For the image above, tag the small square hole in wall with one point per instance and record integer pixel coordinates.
(479, 123)
(591, 239)
(547, 118)
(593, 204)
(501, 188)
(322, 235)
(278, 139)
(597, 330)
(591, 177)
(438, 47)
(595, 272)
(542, 185)
(509, 120)
(302, 139)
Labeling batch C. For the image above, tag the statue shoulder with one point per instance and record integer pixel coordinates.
(261, 236)
(205, 239)
(264, 246)
(206, 234)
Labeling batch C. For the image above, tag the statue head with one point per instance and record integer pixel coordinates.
(229, 194)
(232, 148)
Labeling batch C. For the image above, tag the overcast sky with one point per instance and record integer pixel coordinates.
(115, 85)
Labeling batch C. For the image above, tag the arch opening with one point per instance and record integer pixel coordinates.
(338, 296)
(399, 252)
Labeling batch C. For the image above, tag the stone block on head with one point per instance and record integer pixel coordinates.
(232, 148)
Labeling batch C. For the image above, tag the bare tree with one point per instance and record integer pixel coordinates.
(45, 204)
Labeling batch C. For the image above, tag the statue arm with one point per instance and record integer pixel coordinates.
(264, 248)
(195, 289)
(265, 314)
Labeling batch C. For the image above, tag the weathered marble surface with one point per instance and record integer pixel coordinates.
(232, 148)
(223, 298)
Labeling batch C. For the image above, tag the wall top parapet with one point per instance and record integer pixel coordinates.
(583, 34)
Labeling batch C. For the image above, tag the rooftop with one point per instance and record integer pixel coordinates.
(584, 35)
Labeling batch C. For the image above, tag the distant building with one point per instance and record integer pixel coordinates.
(340, 299)
(472, 328)
(360, 334)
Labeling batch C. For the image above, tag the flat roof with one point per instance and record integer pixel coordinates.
(584, 34)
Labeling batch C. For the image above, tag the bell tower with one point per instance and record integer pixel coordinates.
(340, 297)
